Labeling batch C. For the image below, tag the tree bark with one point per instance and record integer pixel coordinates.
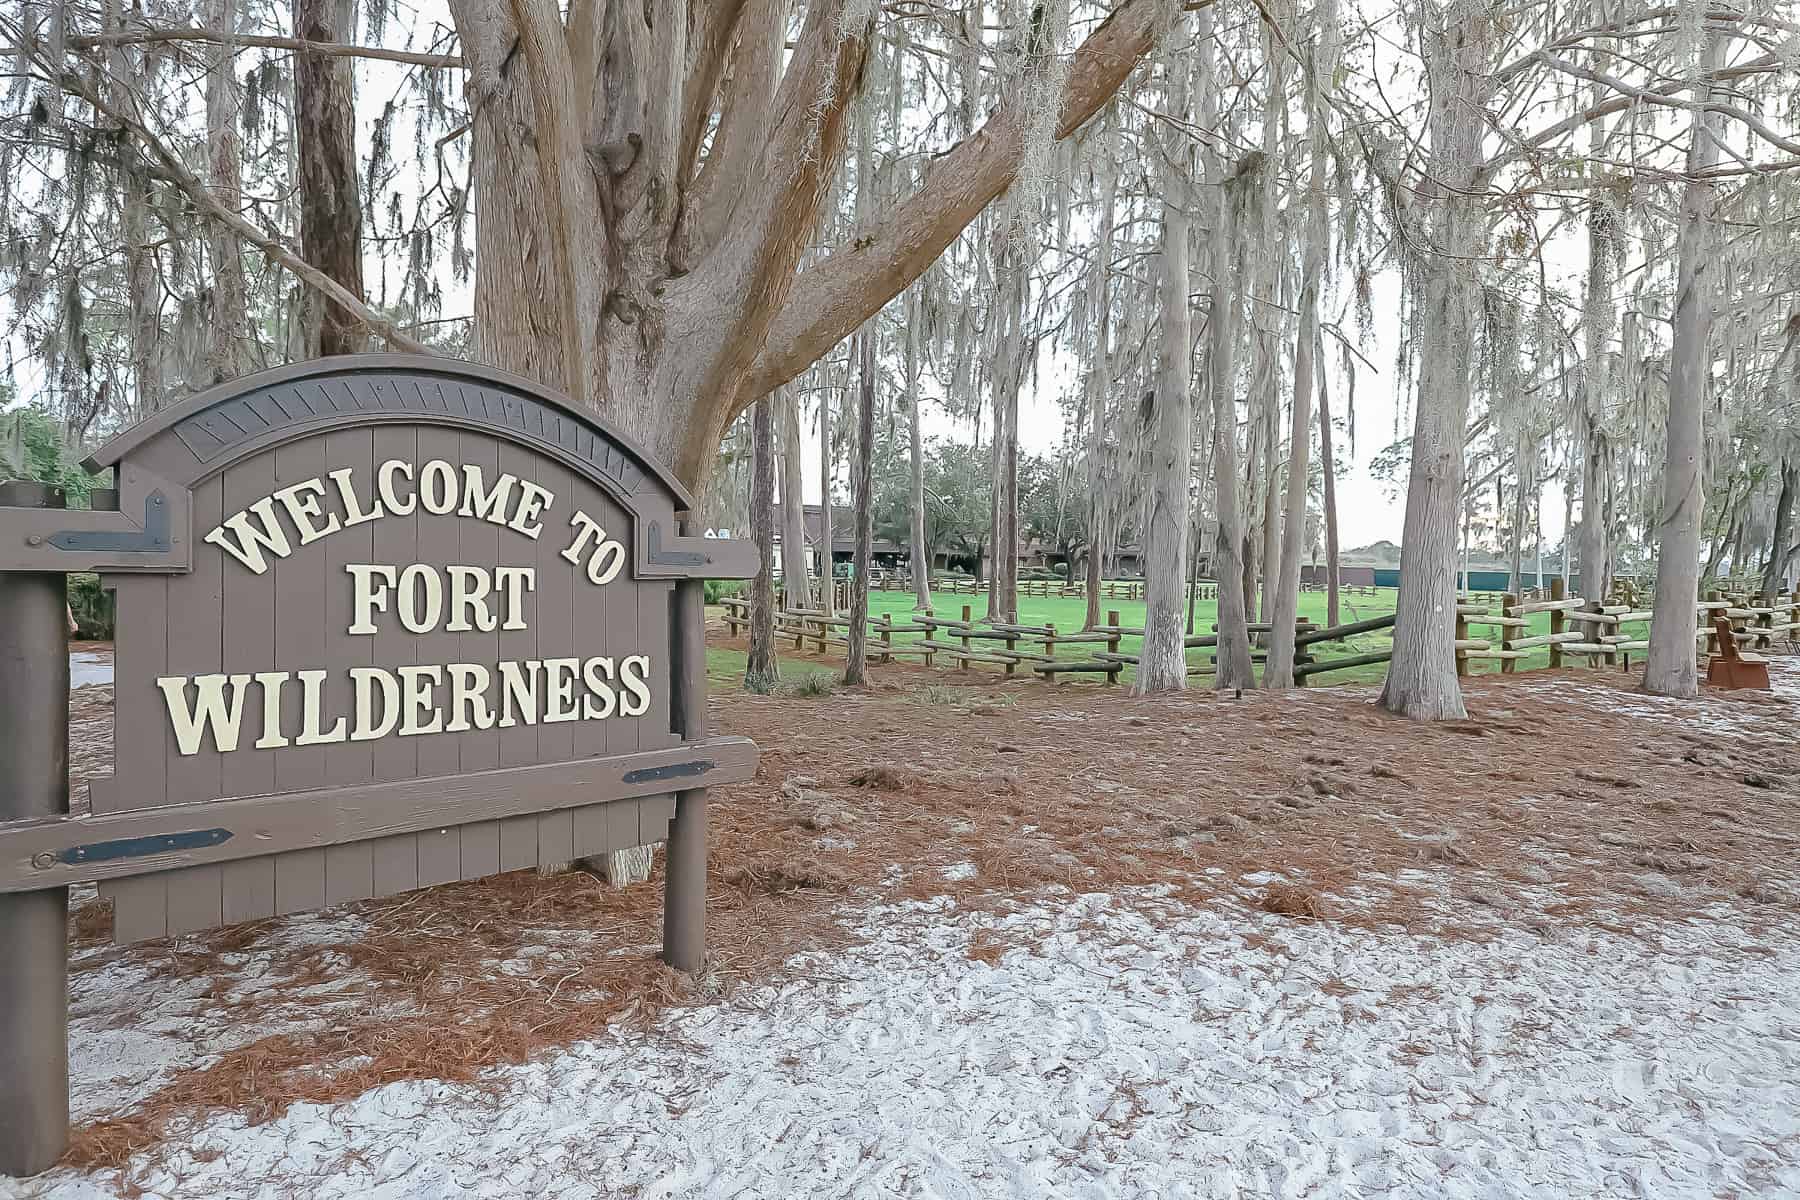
(1162, 663)
(1329, 469)
(1525, 457)
(228, 329)
(1670, 666)
(762, 672)
(144, 309)
(1593, 553)
(1255, 427)
(1278, 671)
(1269, 553)
(1599, 317)
(921, 560)
(1006, 556)
(1775, 570)
(796, 577)
(827, 540)
(1235, 668)
(856, 664)
(1421, 679)
(330, 200)
(681, 171)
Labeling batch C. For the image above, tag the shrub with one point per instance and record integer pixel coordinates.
(817, 683)
(92, 606)
(718, 589)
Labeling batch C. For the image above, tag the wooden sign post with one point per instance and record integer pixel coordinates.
(383, 622)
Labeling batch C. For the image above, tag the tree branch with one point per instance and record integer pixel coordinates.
(744, 116)
(849, 286)
(568, 182)
(185, 180)
(147, 37)
(715, 31)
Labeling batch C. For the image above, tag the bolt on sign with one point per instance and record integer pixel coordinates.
(383, 622)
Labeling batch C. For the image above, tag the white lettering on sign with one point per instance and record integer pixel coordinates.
(302, 513)
(406, 701)
(607, 556)
(271, 710)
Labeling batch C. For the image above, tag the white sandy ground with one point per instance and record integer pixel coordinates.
(1123, 1046)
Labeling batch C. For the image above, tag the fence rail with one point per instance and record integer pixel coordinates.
(1577, 629)
(1586, 629)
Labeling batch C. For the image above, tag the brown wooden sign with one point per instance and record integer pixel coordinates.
(383, 622)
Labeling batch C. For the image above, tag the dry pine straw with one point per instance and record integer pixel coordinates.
(1075, 787)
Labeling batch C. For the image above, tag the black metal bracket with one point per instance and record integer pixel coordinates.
(670, 558)
(153, 538)
(686, 770)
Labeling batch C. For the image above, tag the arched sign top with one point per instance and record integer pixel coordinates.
(229, 422)
(145, 522)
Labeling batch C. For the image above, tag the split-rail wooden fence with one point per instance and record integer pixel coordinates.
(1490, 628)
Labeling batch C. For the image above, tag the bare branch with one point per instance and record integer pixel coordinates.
(850, 285)
(145, 37)
(201, 196)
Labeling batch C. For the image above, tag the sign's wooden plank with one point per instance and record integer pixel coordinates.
(518, 843)
(140, 906)
(249, 890)
(440, 856)
(302, 643)
(349, 868)
(247, 621)
(41, 853)
(194, 635)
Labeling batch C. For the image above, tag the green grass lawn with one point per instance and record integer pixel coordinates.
(1068, 615)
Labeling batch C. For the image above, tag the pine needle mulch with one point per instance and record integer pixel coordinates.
(1559, 804)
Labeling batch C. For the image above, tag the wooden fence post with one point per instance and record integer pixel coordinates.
(1509, 601)
(968, 615)
(34, 947)
(1559, 622)
(887, 637)
(1462, 635)
(1112, 641)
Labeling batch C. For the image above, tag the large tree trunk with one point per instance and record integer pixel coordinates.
(1270, 550)
(827, 540)
(921, 559)
(1593, 554)
(762, 672)
(1235, 667)
(1670, 667)
(648, 178)
(1525, 478)
(1278, 671)
(1784, 374)
(796, 578)
(1099, 382)
(330, 204)
(143, 298)
(856, 665)
(1255, 428)
(1598, 320)
(1329, 469)
(1162, 663)
(228, 328)
(1006, 557)
(1421, 680)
